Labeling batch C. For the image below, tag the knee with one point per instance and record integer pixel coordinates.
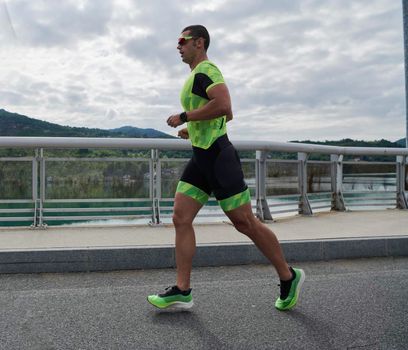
(246, 225)
(180, 220)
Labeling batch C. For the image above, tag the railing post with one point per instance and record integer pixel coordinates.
(304, 205)
(34, 187)
(402, 202)
(337, 200)
(158, 187)
(151, 187)
(262, 208)
(40, 221)
(155, 177)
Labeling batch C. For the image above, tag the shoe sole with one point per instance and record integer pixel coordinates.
(177, 305)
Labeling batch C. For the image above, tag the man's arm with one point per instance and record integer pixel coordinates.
(218, 105)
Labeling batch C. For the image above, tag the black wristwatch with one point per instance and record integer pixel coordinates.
(183, 117)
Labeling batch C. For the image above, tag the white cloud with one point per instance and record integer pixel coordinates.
(309, 69)
(56, 23)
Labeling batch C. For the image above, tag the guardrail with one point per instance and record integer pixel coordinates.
(39, 210)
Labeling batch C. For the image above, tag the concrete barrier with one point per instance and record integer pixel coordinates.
(151, 257)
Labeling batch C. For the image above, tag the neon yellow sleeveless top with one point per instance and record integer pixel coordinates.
(194, 95)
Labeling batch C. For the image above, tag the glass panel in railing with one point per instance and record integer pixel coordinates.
(281, 178)
(369, 184)
(171, 171)
(81, 179)
(282, 187)
(318, 177)
(369, 177)
(15, 180)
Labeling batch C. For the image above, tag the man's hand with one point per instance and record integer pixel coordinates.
(183, 133)
(174, 120)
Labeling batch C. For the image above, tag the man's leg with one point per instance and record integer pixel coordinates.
(185, 210)
(291, 279)
(245, 222)
(180, 296)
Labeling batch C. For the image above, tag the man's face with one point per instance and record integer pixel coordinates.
(187, 47)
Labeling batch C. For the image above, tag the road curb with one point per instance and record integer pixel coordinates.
(162, 256)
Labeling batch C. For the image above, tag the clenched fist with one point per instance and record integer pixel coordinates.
(174, 120)
(183, 133)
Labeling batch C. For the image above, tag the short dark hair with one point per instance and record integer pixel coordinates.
(199, 31)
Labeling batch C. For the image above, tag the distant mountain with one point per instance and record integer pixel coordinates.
(13, 124)
(350, 143)
(131, 131)
(358, 143)
(401, 142)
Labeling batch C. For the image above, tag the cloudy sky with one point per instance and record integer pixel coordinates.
(296, 70)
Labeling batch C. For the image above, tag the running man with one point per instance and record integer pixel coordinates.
(214, 168)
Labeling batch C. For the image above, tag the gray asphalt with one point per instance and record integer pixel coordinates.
(345, 304)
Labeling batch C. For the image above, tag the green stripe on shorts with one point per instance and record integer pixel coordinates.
(235, 201)
(192, 191)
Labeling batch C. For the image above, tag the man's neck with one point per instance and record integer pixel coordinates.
(198, 60)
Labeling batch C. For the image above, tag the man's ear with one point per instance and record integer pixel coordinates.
(200, 43)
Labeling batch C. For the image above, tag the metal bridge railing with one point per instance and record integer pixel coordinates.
(336, 189)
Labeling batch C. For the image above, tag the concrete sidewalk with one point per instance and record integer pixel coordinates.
(319, 237)
(333, 225)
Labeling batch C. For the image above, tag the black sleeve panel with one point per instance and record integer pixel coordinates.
(200, 85)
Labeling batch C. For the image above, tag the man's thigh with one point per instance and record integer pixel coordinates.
(186, 207)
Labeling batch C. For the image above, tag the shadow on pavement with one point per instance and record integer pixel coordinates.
(189, 321)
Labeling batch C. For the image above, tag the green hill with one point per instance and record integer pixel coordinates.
(346, 143)
(131, 131)
(358, 143)
(13, 124)
(401, 142)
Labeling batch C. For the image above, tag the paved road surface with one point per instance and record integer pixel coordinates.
(346, 304)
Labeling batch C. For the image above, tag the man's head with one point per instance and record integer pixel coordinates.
(193, 44)
(199, 31)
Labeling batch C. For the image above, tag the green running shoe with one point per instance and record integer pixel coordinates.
(290, 290)
(173, 297)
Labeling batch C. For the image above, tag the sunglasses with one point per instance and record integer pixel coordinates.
(183, 40)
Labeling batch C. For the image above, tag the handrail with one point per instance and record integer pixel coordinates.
(178, 144)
